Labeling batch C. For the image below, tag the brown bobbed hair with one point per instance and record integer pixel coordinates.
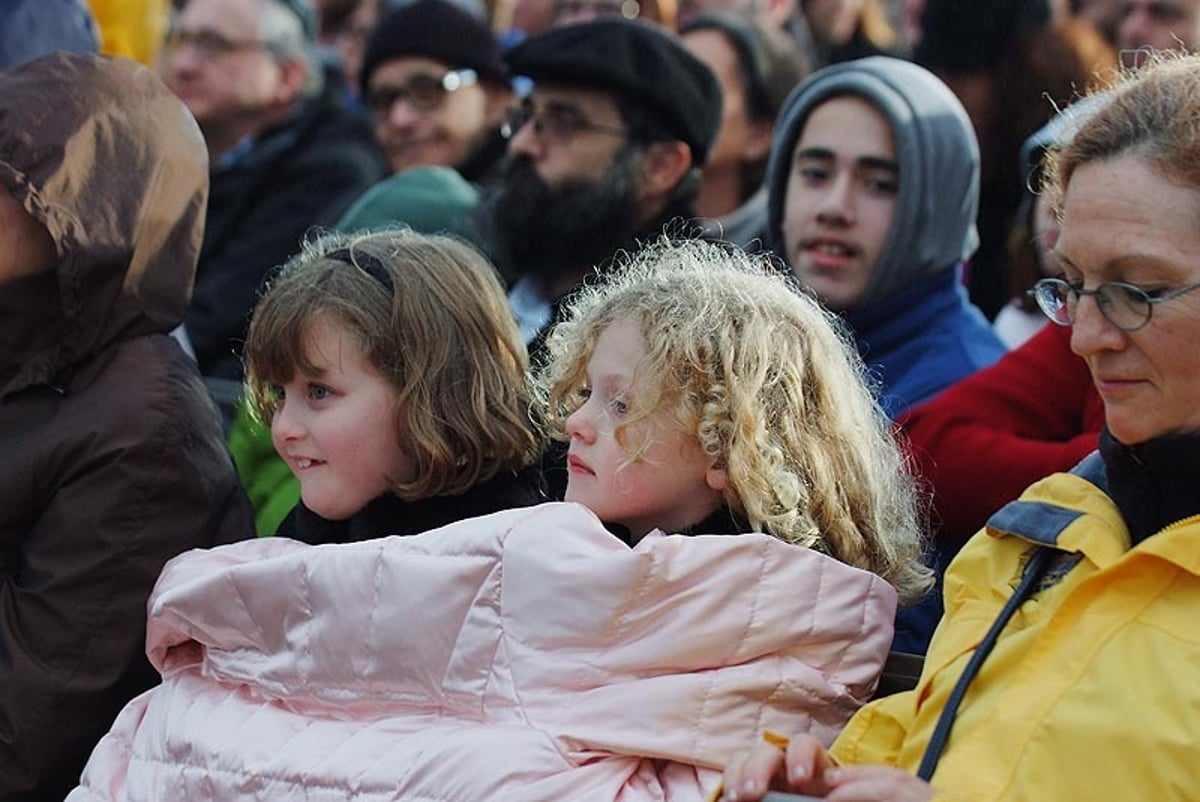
(443, 336)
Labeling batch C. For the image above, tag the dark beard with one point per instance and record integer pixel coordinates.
(537, 231)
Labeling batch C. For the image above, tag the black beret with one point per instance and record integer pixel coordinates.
(436, 29)
(637, 60)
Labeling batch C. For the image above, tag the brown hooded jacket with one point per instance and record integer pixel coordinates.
(111, 454)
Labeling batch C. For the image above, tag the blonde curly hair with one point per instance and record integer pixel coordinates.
(441, 334)
(771, 388)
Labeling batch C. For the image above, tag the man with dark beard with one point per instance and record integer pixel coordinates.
(604, 153)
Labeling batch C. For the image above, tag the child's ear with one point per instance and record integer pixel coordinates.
(717, 478)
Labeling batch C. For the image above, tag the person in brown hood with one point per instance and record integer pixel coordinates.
(113, 457)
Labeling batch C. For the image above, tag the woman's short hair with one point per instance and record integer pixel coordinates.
(771, 388)
(442, 334)
(1153, 113)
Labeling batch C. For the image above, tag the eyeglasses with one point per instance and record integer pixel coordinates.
(582, 10)
(1126, 306)
(423, 90)
(556, 122)
(208, 44)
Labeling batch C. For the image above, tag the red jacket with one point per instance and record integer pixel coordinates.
(984, 440)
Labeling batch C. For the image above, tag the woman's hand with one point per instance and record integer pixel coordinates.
(800, 768)
(806, 768)
(875, 784)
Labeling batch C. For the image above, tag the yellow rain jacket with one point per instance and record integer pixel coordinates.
(1092, 691)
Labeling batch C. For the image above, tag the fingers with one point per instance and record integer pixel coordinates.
(876, 784)
(807, 761)
(751, 774)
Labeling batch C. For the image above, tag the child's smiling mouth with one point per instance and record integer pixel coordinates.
(304, 463)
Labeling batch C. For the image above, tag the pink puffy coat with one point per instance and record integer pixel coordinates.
(526, 655)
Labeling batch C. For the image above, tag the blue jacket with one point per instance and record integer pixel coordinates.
(32, 28)
(922, 340)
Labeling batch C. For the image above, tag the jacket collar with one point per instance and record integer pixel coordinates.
(1153, 483)
(883, 326)
(1117, 498)
(390, 515)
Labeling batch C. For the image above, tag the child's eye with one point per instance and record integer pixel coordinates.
(319, 392)
(620, 407)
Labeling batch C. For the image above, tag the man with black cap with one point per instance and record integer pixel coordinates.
(605, 152)
(438, 87)
(285, 154)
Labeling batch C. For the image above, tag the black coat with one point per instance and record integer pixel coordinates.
(303, 174)
(389, 515)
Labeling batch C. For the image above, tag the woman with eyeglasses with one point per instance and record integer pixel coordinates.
(1066, 665)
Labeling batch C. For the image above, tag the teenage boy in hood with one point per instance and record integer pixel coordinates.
(873, 186)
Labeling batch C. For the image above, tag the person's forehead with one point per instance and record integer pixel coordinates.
(690, 7)
(849, 115)
(1188, 8)
(713, 47)
(593, 101)
(401, 68)
(235, 18)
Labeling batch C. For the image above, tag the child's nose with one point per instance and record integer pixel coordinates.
(579, 427)
(286, 424)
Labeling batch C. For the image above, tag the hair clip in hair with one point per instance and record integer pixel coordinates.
(367, 263)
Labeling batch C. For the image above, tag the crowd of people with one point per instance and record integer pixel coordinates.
(610, 392)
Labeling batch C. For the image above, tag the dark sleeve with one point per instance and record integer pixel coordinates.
(306, 526)
(141, 475)
(307, 189)
(985, 439)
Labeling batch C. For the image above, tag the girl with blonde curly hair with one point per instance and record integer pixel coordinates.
(701, 392)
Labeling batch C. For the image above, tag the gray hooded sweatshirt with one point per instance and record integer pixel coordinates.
(913, 324)
(934, 228)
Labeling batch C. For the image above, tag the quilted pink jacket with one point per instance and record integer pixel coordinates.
(526, 655)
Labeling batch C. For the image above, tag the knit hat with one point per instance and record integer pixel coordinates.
(637, 60)
(429, 199)
(972, 35)
(436, 29)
